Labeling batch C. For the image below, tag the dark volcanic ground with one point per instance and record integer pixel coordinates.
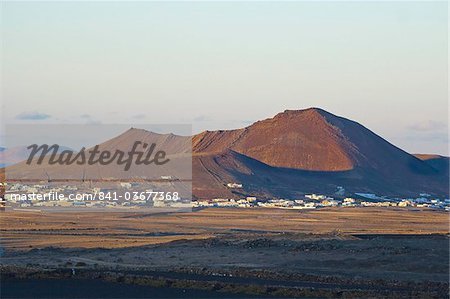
(376, 257)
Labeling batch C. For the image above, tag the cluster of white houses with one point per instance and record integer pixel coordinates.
(314, 201)
(308, 201)
(62, 195)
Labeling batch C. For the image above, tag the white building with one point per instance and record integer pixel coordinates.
(234, 185)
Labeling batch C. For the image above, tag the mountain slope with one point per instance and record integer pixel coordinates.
(177, 148)
(311, 139)
(312, 150)
(292, 140)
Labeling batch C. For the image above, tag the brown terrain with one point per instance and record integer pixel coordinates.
(328, 253)
(28, 229)
(310, 150)
(177, 147)
(292, 139)
(293, 153)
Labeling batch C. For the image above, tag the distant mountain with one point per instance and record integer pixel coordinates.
(2, 164)
(13, 155)
(309, 150)
(177, 147)
(172, 144)
(293, 153)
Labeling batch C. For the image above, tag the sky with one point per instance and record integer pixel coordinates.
(224, 65)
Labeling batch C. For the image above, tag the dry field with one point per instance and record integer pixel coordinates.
(363, 252)
(25, 230)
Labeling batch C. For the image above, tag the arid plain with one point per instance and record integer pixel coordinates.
(22, 230)
(359, 252)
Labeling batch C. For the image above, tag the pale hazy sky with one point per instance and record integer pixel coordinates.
(224, 65)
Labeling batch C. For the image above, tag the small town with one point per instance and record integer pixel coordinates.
(125, 195)
(315, 201)
(64, 196)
